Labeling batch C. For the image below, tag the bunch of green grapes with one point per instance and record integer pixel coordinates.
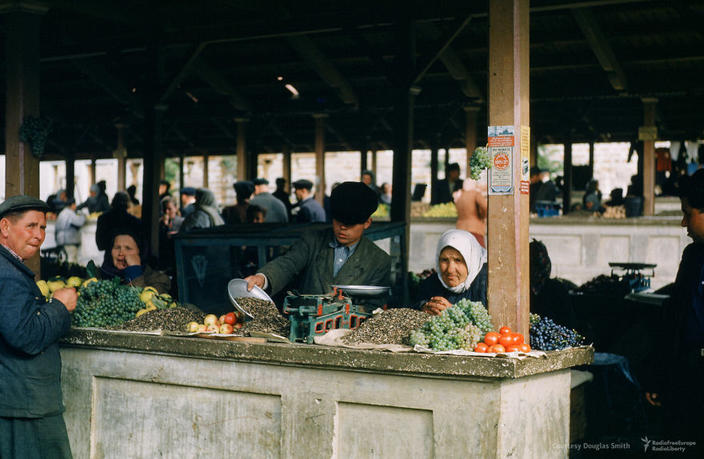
(477, 314)
(106, 303)
(447, 209)
(449, 330)
(478, 162)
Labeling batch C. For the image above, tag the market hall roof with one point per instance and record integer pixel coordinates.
(592, 62)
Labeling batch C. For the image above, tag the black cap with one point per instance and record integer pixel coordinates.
(535, 170)
(22, 203)
(352, 203)
(260, 181)
(188, 191)
(303, 183)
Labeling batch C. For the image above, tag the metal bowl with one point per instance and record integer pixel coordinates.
(363, 290)
(237, 288)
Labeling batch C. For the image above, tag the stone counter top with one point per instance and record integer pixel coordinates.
(313, 356)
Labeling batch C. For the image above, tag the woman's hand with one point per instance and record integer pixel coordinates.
(436, 305)
(133, 259)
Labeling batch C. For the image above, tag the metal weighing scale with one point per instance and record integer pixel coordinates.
(637, 281)
(315, 315)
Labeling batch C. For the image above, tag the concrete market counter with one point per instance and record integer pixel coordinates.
(131, 395)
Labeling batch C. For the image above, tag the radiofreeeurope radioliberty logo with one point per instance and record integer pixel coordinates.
(667, 446)
(646, 443)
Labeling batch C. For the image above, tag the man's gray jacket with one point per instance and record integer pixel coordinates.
(312, 259)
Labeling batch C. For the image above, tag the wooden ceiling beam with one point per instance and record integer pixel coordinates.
(112, 85)
(316, 59)
(600, 46)
(218, 82)
(440, 47)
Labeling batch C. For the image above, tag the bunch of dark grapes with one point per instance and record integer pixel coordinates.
(106, 303)
(478, 162)
(546, 335)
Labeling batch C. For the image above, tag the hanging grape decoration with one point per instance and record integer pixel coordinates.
(478, 162)
(35, 131)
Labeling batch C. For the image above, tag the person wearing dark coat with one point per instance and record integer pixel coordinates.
(445, 187)
(308, 210)
(282, 195)
(127, 260)
(461, 273)
(188, 201)
(233, 215)
(98, 201)
(677, 368)
(206, 214)
(549, 297)
(116, 217)
(338, 256)
(31, 407)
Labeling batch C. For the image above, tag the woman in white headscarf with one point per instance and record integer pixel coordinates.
(461, 273)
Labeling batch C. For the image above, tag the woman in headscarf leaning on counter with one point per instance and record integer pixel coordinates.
(461, 273)
(127, 260)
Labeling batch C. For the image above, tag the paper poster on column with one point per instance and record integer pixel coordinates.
(525, 160)
(501, 140)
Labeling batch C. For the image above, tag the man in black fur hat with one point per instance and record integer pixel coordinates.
(339, 256)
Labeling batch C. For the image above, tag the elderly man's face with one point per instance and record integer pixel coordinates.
(367, 179)
(453, 268)
(25, 234)
(301, 194)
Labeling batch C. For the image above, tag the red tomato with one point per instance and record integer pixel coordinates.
(505, 330)
(481, 347)
(491, 338)
(513, 348)
(524, 347)
(497, 348)
(506, 340)
(517, 338)
(230, 318)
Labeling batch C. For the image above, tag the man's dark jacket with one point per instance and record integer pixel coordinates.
(30, 365)
(310, 211)
(312, 258)
(442, 192)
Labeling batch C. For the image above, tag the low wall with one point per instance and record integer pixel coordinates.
(581, 248)
(130, 395)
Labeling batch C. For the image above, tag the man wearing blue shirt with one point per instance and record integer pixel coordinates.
(678, 377)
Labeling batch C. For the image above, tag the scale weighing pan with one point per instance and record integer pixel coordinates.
(363, 290)
(237, 288)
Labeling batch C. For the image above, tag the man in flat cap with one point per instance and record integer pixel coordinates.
(188, 201)
(275, 209)
(307, 209)
(338, 256)
(31, 405)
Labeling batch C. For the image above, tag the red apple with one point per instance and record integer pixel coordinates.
(221, 319)
(229, 318)
(212, 328)
(226, 329)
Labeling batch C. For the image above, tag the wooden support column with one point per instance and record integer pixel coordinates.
(93, 169)
(153, 149)
(286, 151)
(433, 171)
(21, 24)
(181, 176)
(591, 159)
(533, 150)
(508, 217)
(206, 176)
(70, 174)
(470, 135)
(121, 154)
(242, 148)
(363, 159)
(649, 105)
(567, 176)
(374, 162)
(320, 156)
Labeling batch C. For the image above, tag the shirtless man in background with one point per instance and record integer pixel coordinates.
(471, 208)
